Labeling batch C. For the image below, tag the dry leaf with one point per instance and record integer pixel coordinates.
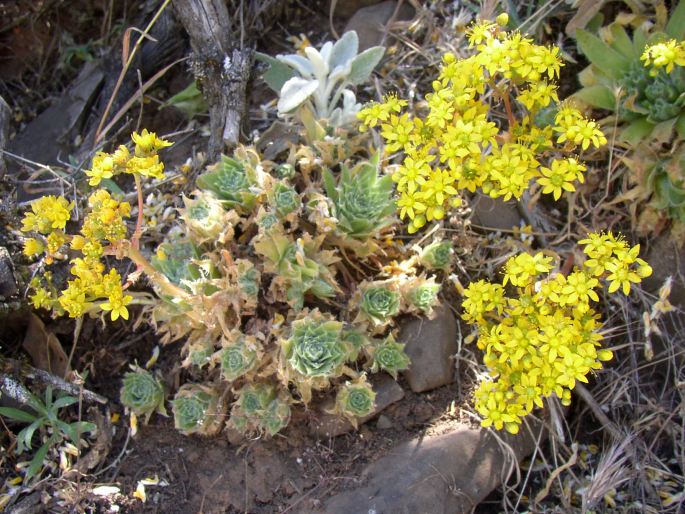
(44, 348)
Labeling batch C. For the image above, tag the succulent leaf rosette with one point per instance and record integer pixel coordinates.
(363, 204)
(355, 400)
(314, 353)
(284, 199)
(421, 294)
(260, 409)
(238, 358)
(378, 303)
(196, 410)
(388, 355)
(142, 393)
(204, 215)
(436, 256)
(233, 182)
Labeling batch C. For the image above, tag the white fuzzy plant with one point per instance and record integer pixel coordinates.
(321, 78)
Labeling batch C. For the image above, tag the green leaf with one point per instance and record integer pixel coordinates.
(329, 184)
(622, 42)
(680, 126)
(662, 131)
(111, 186)
(26, 436)
(189, 101)
(344, 50)
(639, 41)
(364, 63)
(597, 96)
(38, 458)
(17, 415)
(64, 401)
(602, 55)
(278, 72)
(637, 131)
(676, 23)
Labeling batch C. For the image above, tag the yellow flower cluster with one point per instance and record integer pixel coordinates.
(104, 224)
(144, 161)
(664, 55)
(457, 145)
(103, 232)
(544, 339)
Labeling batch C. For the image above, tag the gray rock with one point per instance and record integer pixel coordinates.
(445, 474)
(494, 213)
(8, 284)
(667, 258)
(387, 392)
(430, 344)
(371, 22)
(5, 114)
(383, 422)
(346, 8)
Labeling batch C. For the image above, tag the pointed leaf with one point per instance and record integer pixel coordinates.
(278, 72)
(301, 64)
(636, 131)
(344, 49)
(639, 40)
(17, 415)
(38, 458)
(680, 126)
(64, 401)
(676, 23)
(329, 184)
(364, 63)
(295, 92)
(622, 42)
(319, 65)
(602, 55)
(597, 96)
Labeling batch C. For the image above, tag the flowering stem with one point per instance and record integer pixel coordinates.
(135, 240)
(155, 276)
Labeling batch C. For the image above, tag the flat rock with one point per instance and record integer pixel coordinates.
(445, 474)
(8, 284)
(387, 392)
(667, 258)
(430, 344)
(494, 213)
(371, 22)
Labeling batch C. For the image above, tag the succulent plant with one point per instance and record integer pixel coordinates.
(237, 359)
(355, 400)
(320, 79)
(648, 105)
(234, 182)
(260, 409)
(379, 303)
(199, 353)
(142, 393)
(284, 199)
(248, 278)
(388, 355)
(363, 203)
(422, 294)
(175, 261)
(314, 352)
(299, 265)
(205, 216)
(196, 410)
(437, 256)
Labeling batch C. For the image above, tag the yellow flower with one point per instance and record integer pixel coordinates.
(147, 143)
(117, 306)
(33, 247)
(664, 55)
(560, 177)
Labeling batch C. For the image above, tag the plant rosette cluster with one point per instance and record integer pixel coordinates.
(455, 145)
(642, 82)
(539, 341)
